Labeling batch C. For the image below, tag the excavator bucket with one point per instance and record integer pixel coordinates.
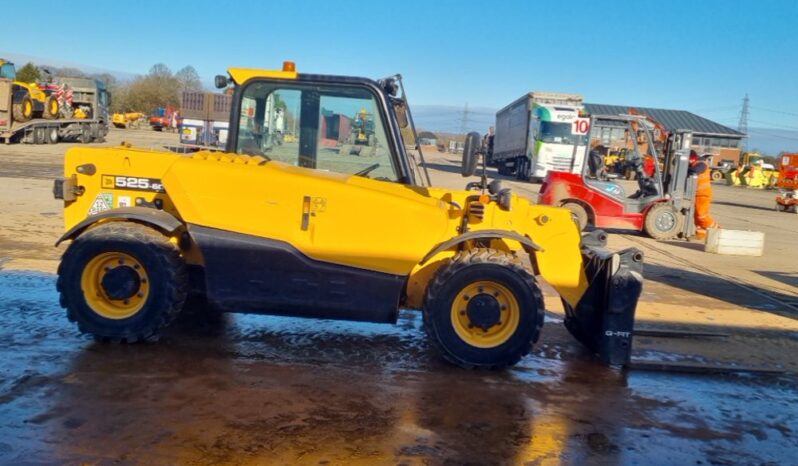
(603, 320)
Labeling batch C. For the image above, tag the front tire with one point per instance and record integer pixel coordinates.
(663, 222)
(122, 281)
(23, 111)
(483, 309)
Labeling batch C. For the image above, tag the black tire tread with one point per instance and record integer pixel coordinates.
(168, 256)
(650, 228)
(467, 258)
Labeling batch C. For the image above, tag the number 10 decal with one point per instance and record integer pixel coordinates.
(581, 126)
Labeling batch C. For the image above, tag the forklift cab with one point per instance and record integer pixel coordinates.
(630, 135)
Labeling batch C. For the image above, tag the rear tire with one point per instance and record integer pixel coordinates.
(483, 309)
(23, 111)
(716, 175)
(663, 222)
(39, 136)
(122, 281)
(579, 212)
(85, 134)
(523, 169)
(51, 135)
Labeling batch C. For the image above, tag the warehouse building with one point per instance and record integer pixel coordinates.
(708, 137)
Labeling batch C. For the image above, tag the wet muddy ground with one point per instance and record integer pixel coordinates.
(235, 389)
(255, 389)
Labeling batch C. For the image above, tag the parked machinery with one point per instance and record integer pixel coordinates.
(29, 100)
(753, 172)
(787, 199)
(663, 204)
(300, 229)
(127, 120)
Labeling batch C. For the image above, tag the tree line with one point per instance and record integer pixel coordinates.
(160, 87)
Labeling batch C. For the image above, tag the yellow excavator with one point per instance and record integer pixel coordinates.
(28, 99)
(300, 230)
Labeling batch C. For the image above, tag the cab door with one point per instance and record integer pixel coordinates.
(327, 219)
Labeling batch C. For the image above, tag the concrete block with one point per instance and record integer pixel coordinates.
(735, 242)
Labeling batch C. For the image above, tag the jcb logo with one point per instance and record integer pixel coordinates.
(132, 183)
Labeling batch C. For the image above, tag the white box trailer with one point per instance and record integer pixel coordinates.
(538, 132)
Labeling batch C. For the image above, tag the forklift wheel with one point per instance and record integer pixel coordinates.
(663, 222)
(579, 213)
(122, 281)
(483, 310)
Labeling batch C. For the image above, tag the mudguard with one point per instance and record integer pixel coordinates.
(157, 218)
(603, 320)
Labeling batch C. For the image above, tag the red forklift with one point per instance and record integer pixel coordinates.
(787, 199)
(662, 206)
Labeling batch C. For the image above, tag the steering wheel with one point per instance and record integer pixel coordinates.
(368, 170)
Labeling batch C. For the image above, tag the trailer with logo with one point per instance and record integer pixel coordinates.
(538, 132)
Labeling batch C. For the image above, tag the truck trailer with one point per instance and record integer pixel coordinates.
(86, 115)
(538, 132)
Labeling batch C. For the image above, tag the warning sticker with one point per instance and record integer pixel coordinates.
(103, 202)
(123, 201)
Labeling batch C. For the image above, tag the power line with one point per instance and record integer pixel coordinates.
(764, 133)
(795, 128)
(776, 111)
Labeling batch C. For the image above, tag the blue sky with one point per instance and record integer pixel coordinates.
(702, 56)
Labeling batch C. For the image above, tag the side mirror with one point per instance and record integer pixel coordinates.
(401, 115)
(470, 154)
(220, 81)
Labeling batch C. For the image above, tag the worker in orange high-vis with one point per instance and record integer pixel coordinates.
(703, 195)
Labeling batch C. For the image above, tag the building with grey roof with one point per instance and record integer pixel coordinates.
(707, 135)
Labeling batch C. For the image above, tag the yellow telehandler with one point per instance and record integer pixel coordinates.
(28, 99)
(291, 227)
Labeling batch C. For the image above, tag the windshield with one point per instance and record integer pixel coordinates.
(7, 71)
(559, 133)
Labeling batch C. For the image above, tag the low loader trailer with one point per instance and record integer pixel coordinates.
(89, 96)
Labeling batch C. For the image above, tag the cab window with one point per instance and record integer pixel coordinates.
(337, 129)
(7, 71)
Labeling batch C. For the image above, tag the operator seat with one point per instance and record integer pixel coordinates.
(646, 187)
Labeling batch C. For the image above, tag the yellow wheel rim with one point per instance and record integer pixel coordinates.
(497, 320)
(27, 108)
(97, 296)
(53, 107)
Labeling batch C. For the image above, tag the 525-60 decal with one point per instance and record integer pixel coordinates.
(132, 183)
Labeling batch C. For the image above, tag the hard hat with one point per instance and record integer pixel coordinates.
(693, 156)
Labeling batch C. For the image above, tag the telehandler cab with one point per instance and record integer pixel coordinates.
(300, 229)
